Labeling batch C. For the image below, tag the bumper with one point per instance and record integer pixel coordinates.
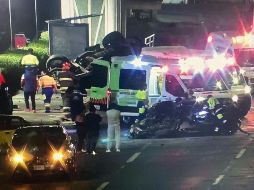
(44, 169)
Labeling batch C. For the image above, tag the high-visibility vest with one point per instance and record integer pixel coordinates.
(141, 110)
(47, 82)
(141, 95)
(212, 102)
(29, 60)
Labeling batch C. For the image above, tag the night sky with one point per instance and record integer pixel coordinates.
(23, 17)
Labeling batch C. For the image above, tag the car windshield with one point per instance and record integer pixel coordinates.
(38, 136)
(244, 57)
(232, 76)
(204, 82)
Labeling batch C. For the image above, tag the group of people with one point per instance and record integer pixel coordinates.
(85, 117)
(88, 126)
(31, 83)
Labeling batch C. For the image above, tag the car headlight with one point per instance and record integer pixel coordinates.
(200, 99)
(18, 158)
(235, 98)
(247, 89)
(58, 156)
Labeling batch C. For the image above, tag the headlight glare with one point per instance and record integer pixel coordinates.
(18, 158)
(57, 156)
(235, 98)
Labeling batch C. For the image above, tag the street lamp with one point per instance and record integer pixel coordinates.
(36, 20)
(11, 24)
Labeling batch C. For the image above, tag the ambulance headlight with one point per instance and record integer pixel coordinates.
(200, 99)
(235, 98)
(247, 89)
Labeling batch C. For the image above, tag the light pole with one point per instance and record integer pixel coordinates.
(11, 24)
(36, 20)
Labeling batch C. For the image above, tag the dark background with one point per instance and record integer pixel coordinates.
(23, 17)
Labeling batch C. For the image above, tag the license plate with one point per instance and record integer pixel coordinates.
(39, 167)
(97, 107)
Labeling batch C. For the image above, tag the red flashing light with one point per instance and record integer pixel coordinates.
(109, 92)
(209, 39)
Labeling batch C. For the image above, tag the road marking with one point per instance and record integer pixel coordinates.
(122, 167)
(218, 179)
(145, 146)
(103, 185)
(133, 157)
(240, 154)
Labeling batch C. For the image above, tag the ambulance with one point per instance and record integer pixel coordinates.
(120, 80)
(201, 72)
(241, 47)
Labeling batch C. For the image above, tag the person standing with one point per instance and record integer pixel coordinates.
(77, 110)
(48, 85)
(92, 122)
(29, 83)
(113, 117)
(65, 78)
(141, 95)
(30, 61)
(2, 78)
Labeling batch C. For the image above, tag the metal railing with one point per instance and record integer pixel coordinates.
(149, 41)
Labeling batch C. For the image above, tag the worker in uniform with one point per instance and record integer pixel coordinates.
(65, 78)
(141, 95)
(30, 61)
(212, 102)
(48, 85)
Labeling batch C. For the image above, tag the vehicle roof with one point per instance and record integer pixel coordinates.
(174, 52)
(44, 127)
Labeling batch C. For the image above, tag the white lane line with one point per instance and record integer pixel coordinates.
(103, 185)
(240, 154)
(218, 179)
(122, 167)
(145, 146)
(133, 157)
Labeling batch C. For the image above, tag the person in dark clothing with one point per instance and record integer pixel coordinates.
(29, 83)
(92, 122)
(77, 111)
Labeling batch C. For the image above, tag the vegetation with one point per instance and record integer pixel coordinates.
(11, 59)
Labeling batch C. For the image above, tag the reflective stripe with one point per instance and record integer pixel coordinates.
(141, 110)
(47, 104)
(220, 116)
(65, 79)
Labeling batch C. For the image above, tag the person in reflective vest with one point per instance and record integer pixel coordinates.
(65, 78)
(30, 61)
(141, 95)
(212, 102)
(48, 85)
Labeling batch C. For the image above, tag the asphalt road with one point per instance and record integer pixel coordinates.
(186, 163)
(177, 163)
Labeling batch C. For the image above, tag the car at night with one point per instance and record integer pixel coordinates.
(41, 150)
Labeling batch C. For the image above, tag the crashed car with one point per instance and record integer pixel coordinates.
(41, 150)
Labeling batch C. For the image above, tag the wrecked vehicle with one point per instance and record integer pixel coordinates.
(185, 116)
